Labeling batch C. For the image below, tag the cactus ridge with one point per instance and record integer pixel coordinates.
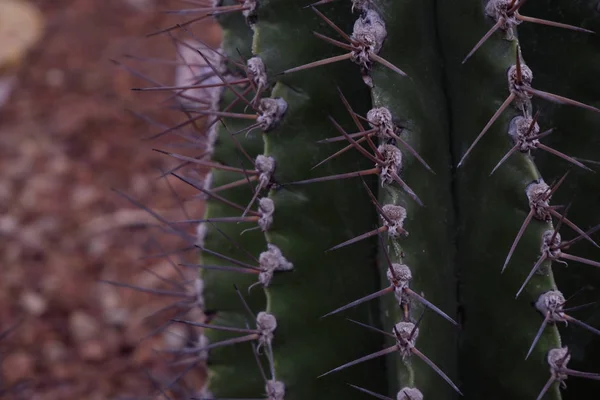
(287, 220)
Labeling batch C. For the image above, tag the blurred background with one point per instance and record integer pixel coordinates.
(67, 139)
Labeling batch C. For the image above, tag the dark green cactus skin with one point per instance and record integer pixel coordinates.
(457, 243)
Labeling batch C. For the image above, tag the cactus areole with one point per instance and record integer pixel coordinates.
(400, 170)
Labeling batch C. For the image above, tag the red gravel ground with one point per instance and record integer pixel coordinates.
(65, 141)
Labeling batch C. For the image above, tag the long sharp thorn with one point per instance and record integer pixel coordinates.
(229, 342)
(506, 157)
(407, 189)
(546, 387)
(254, 197)
(349, 109)
(343, 138)
(581, 374)
(538, 335)
(371, 328)
(542, 135)
(574, 227)
(226, 114)
(386, 63)
(236, 7)
(204, 163)
(173, 27)
(557, 185)
(500, 110)
(319, 3)
(237, 183)
(348, 175)
(516, 6)
(563, 156)
(333, 25)
(430, 305)
(412, 151)
(441, 373)
(379, 396)
(206, 86)
(319, 63)
(567, 244)
(552, 23)
(485, 37)
(577, 308)
(361, 300)
(235, 243)
(333, 41)
(559, 99)
(223, 79)
(362, 359)
(354, 143)
(536, 266)
(374, 201)
(560, 222)
(518, 65)
(359, 238)
(337, 153)
(258, 363)
(158, 292)
(210, 194)
(518, 238)
(221, 268)
(174, 128)
(582, 260)
(582, 324)
(244, 302)
(216, 327)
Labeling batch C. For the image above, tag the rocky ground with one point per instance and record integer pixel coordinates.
(65, 141)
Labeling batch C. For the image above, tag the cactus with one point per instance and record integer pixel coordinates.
(374, 160)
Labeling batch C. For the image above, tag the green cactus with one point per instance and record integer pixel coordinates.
(392, 217)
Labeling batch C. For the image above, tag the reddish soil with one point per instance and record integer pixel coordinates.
(65, 141)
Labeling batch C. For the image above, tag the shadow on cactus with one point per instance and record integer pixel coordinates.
(422, 171)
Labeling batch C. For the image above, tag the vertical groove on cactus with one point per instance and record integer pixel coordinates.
(418, 108)
(225, 378)
(313, 217)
